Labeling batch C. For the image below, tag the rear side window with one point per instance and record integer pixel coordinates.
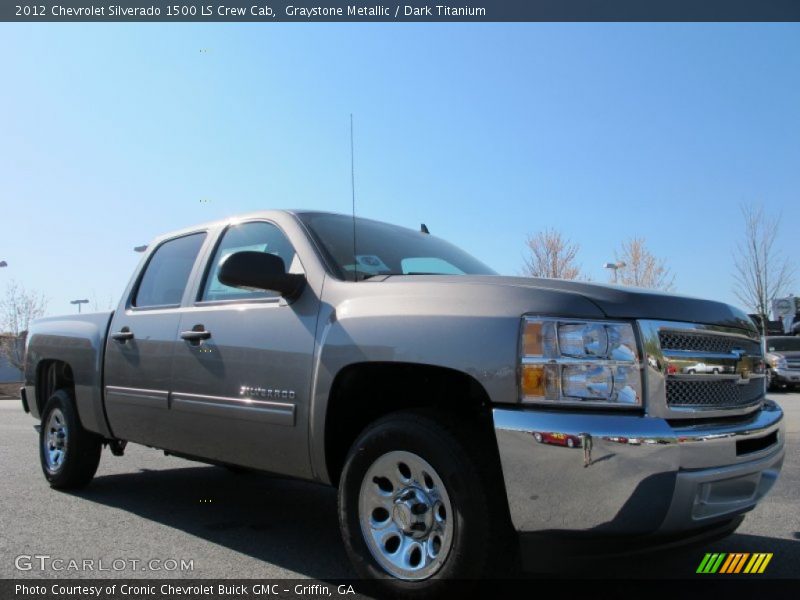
(167, 273)
(255, 236)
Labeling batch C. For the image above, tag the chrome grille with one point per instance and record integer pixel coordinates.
(704, 342)
(696, 370)
(705, 393)
(793, 363)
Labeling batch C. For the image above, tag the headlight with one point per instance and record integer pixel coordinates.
(580, 363)
(776, 361)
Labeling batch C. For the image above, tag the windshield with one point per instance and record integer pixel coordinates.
(383, 249)
(783, 344)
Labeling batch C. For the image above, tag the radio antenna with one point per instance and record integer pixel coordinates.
(353, 190)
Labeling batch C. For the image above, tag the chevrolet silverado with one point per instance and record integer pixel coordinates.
(398, 368)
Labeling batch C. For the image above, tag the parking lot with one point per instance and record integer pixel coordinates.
(145, 506)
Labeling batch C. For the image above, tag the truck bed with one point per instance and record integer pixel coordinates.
(78, 340)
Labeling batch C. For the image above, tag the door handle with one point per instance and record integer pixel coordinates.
(123, 335)
(196, 334)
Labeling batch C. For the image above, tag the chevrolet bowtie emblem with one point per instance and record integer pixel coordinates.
(746, 365)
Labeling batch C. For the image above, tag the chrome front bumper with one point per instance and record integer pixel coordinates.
(634, 475)
(786, 375)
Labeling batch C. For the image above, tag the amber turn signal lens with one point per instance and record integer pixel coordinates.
(533, 380)
(532, 339)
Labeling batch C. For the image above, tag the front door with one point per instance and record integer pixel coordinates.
(242, 364)
(141, 342)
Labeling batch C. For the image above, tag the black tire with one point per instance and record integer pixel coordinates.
(78, 462)
(465, 459)
(236, 469)
(771, 387)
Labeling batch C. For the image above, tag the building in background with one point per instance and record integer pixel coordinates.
(8, 372)
(787, 311)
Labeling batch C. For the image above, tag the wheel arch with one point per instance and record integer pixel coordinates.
(52, 375)
(363, 392)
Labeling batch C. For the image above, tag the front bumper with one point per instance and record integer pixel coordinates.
(635, 475)
(785, 376)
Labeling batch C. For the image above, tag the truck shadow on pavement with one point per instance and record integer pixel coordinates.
(288, 523)
(294, 525)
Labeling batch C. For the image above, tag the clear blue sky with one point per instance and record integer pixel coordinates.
(114, 133)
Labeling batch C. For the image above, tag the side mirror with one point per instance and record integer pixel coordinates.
(260, 271)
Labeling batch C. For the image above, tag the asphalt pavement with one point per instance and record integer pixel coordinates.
(147, 507)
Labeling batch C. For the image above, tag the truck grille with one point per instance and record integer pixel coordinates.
(793, 364)
(706, 370)
(704, 342)
(713, 393)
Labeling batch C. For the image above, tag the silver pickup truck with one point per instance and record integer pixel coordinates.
(457, 411)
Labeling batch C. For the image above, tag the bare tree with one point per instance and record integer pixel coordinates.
(761, 272)
(641, 268)
(551, 255)
(18, 308)
(98, 306)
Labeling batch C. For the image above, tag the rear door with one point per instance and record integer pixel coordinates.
(241, 393)
(142, 339)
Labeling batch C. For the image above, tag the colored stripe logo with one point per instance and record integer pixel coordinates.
(734, 562)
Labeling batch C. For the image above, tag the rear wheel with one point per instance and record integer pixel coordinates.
(420, 503)
(68, 453)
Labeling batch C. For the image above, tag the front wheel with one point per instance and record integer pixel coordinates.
(771, 385)
(419, 503)
(69, 454)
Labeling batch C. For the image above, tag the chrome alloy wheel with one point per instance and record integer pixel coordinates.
(55, 440)
(406, 516)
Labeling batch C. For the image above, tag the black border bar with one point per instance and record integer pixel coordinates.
(701, 587)
(357, 11)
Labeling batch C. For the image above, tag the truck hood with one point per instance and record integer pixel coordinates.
(617, 302)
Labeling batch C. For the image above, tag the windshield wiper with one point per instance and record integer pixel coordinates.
(365, 276)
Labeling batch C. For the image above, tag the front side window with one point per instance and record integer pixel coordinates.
(257, 236)
(167, 272)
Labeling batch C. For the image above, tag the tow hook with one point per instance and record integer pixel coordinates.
(117, 447)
